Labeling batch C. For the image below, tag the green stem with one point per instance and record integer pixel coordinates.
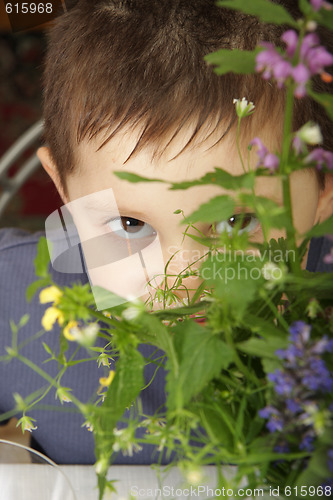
(285, 172)
(47, 377)
(238, 145)
(250, 375)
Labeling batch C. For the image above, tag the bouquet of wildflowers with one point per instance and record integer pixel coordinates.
(249, 358)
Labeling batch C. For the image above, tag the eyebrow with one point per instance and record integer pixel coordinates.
(100, 205)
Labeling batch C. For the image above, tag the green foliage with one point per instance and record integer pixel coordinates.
(195, 347)
(232, 61)
(42, 259)
(321, 229)
(221, 178)
(220, 207)
(325, 100)
(267, 11)
(220, 345)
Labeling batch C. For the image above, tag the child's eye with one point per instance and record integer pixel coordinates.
(128, 227)
(245, 222)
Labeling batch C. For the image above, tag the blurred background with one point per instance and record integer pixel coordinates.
(21, 66)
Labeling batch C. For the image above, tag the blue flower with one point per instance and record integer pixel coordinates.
(307, 442)
(293, 406)
(275, 422)
(317, 377)
(282, 448)
(283, 382)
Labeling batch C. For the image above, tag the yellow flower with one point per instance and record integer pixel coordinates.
(51, 315)
(67, 330)
(50, 294)
(106, 381)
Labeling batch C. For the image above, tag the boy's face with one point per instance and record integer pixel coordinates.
(146, 210)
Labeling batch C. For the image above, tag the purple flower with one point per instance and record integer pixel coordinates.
(328, 258)
(283, 383)
(320, 157)
(317, 58)
(323, 345)
(307, 442)
(290, 38)
(275, 422)
(318, 4)
(293, 406)
(282, 448)
(299, 332)
(317, 377)
(266, 159)
(309, 41)
(312, 60)
(267, 411)
(301, 75)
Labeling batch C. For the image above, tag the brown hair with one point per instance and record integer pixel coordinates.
(116, 63)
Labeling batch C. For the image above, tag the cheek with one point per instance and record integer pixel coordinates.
(305, 196)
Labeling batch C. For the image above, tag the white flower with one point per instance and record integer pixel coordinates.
(194, 476)
(63, 395)
(88, 426)
(271, 272)
(26, 424)
(243, 107)
(310, 134)
(133, 311)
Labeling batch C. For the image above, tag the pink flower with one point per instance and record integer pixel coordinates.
(318, 4)
(266, 159)
(321, 158)
(317, 59)
(313, 59)
(301, 75)
(290, 38)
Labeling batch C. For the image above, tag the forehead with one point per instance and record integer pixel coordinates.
(172, 160)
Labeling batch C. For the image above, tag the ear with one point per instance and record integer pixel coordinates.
(49, 166)
(325, 203)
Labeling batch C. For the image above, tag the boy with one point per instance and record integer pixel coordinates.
(126, 87)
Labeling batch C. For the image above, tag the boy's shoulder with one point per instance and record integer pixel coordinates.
(18, 249)
(14, 238)
(320, 249)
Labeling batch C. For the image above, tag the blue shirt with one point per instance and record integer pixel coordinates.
(59, 432)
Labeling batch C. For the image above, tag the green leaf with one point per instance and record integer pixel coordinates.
(269, 213)
(261, 347)
(233, 61)
(202, 355)
(162, 338)
(325, 18)
(34, 286)
(128, 176)
(47, 349)
(218, 424)
(264, 328)
(125, 386)
(218, 208)
(325, 100)
(325, 228)
(221, 178)
(267, 11)
(42, 259)
(23, 321)
(122, 392)
(235, 281)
